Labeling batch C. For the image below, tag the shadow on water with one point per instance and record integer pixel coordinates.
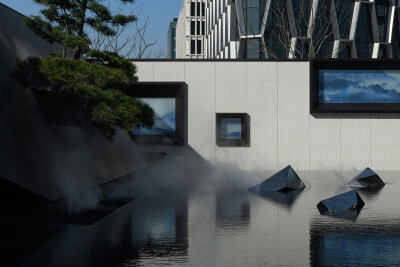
(350, 215)
(369, 193)
(146, 227)
(283, 198)
(20, 239)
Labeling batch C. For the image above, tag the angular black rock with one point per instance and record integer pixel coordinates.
(347, 201)
(366, 178)
(284, 180)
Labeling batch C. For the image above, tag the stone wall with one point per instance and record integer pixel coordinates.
(276, 97)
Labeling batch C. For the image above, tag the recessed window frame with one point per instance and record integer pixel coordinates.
(162, 90)
(244, 141)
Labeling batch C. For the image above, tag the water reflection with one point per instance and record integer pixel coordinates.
(283, 198)
(145, 228)
(232, 210)
(350, 215)
(370, 237)
(229, 227)
(346, 244)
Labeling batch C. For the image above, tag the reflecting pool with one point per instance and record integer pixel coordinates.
(208, 224)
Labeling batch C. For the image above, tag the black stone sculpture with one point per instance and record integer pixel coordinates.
(367, 178)
(347, 201)
(284, 180)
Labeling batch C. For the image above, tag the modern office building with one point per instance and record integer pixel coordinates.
(296, 29)
(171, 46)
(190, 30)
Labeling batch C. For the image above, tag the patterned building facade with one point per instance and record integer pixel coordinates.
(190, 30)
(303, 29)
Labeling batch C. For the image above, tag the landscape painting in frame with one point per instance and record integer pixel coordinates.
(164, 121)
(231, 128)
(359, 86)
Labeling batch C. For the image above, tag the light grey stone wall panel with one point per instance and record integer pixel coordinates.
(275, 95)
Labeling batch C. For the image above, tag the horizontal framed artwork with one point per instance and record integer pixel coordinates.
(354, 86)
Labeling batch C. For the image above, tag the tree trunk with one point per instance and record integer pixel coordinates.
(81, 24)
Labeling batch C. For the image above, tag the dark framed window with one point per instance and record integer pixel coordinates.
(232, 129)
(193, 27)
(199, 46)
(198, 9)
(192, 9)
(203, 9)
(354, 86)
(167, 100)
(203, 28)
(192, 47)
(198, 28)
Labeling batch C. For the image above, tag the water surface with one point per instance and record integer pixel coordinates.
(216, 223)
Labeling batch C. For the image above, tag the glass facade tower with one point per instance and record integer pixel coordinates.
(301, 29)
(171, 49)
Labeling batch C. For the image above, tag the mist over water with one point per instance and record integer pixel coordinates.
(185, 213)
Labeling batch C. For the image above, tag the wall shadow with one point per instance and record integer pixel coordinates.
(359, 116)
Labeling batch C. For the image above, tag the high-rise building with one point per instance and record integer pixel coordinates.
(171, 49)
(190, 30)
(303, 29)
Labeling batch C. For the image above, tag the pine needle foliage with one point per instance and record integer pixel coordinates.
(101, 88)
(64, 21)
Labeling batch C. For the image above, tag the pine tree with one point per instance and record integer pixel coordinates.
(65, 21)
(100, 88)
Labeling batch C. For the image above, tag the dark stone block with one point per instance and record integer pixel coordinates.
(347, 201)
(284, 180)
(366, 178)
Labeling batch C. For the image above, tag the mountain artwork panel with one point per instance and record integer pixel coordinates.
(164, 122)
(231, 128)
(359, 86)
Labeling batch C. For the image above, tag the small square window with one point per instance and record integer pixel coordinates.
(232, 129)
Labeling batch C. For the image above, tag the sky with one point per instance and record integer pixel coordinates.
(161, 106)
(160, 13)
